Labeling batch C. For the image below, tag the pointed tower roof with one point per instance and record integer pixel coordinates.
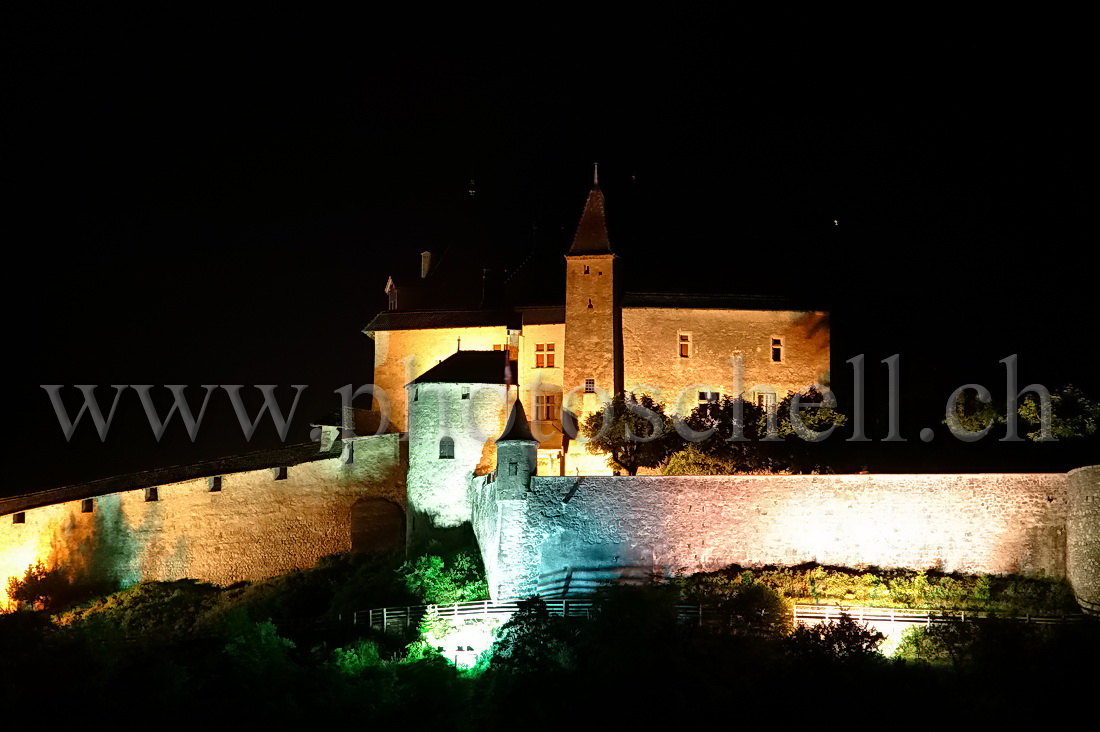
(591, 237)
(517, 427)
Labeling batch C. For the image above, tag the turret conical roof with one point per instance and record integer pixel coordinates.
(517, 427)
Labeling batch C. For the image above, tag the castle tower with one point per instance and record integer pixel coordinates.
(456, 410)
(517, 453)
(593, 325)
(509, 569)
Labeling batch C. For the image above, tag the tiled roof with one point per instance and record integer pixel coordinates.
(422, 319)
(288, 455)
(591, 236)
(710, 302)
(470, 367)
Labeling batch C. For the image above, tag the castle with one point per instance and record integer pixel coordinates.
(474, 426)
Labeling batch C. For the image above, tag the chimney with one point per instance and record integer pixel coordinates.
(425, 263)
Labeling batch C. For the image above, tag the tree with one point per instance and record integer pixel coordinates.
(462, 579)
(634, 432)
(843, 640)
(736, 436)
(1072, 414)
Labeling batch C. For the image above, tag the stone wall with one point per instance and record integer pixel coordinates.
(1083, 536)
(403, 355)
(597, 527)
(651, 352)
(255, 526)
(437, 486)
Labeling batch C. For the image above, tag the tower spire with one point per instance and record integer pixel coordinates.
(591, 236)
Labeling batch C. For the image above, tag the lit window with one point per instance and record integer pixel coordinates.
(151, 494)
(589, 386)
(777, 350)
(446, 448)
(685, 345)
(766, 401)
(544, 355)
(465, 392)
(87, 505)
(546, 407)
(19, 518)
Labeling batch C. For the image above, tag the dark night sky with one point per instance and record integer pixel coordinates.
(220, 200)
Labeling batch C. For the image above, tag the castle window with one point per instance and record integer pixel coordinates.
(152, 494)
(19, 518)
(278, 473)
(513, 468)
(589, 386)
(586, 269)
(708, 397)
(214, 483)
(87, 505)
(777, 350)
(446, 448)
(544, 355)
(546, 407)
(589, 303)
(685, 345)
(465, 392)
(766, 401)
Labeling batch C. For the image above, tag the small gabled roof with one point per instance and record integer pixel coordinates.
(517, 428)
(471, 367)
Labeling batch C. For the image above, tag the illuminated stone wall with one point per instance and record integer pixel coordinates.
(599, 527)
(651, 352)
(437, 486)
(1083, 535)
(403, 355)
(254, 527)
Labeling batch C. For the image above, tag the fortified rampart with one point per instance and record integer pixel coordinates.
(1083, 535)
(287, 510)
(565, 532)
